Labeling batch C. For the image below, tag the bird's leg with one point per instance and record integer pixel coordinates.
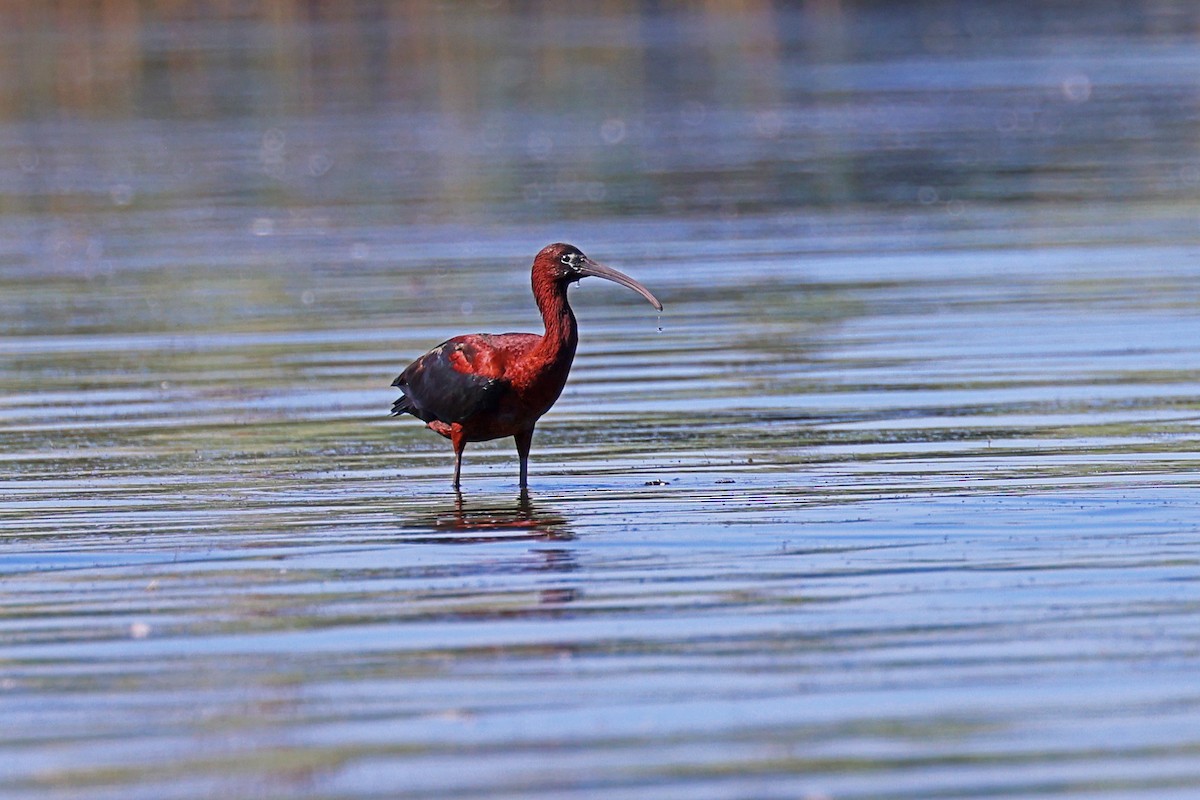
(460, 443)
(524, 439)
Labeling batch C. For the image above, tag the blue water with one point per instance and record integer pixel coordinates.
(897, 498)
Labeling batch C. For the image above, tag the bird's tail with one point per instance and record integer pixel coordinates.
(402, 406)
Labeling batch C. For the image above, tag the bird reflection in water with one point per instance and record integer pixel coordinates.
(494, 523)
(491, 523)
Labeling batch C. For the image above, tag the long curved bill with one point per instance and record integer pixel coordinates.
(589, 267)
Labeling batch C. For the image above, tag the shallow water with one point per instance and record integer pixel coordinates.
(902, 501)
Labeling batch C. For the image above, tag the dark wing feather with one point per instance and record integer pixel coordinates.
(451, 383)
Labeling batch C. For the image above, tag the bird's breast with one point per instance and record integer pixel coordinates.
(541, 385)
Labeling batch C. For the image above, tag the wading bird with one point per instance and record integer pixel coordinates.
(487, 386)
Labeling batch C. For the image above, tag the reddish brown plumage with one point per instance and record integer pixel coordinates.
(486, 386)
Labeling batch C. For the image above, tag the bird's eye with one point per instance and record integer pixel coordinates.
(567, 259)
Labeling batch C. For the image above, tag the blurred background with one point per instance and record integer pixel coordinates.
(282, 116)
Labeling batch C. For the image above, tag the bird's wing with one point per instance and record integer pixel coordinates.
(455, 380)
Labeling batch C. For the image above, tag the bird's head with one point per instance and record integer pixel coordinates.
(566, 263)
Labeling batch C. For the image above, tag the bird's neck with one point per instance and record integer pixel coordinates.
(562, 332)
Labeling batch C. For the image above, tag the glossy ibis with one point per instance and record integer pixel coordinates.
(486, 386)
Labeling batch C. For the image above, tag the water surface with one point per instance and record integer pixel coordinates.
(901, 502)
